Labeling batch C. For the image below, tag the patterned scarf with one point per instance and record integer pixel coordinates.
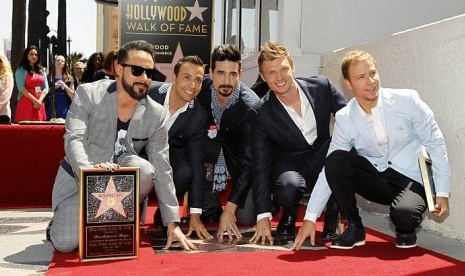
(221, 172)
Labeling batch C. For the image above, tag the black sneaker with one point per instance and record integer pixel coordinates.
(408, 240)
(352, 236)
(330, 227)
(286, 226)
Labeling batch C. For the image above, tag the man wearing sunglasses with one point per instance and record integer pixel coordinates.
(186, 123)
(107, 126)
(228, 150)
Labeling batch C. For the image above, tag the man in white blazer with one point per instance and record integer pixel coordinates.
(101, 114)
(377, 140)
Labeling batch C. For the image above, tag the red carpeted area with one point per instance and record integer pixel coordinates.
(29, 162)
(378, 257)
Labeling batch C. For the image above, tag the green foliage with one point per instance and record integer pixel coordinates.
(75, 57)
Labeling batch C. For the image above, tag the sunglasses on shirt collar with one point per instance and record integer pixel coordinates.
(137, 71)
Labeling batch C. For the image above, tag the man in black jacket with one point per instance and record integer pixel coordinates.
(186, 123)
(291, 136)
(228, 103)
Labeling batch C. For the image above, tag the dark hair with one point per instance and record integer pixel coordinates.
(88, 75)
(139, 45)
(92, 58)
(223, 52)
(109, 58)
(24, 62)
(191, 59)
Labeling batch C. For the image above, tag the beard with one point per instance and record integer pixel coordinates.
(137, 93)
(227, 92)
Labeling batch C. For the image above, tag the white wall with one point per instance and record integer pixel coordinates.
(311, 27)
(430, 60)
(328, 25)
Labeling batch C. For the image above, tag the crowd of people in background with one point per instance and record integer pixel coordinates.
(272, 143)
(45, 94)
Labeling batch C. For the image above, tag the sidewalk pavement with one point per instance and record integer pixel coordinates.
(24, 250)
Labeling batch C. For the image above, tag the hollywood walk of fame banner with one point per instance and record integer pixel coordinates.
(109, 214)
(177, 28)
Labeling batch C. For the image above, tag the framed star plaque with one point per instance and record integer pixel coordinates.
(109, 214)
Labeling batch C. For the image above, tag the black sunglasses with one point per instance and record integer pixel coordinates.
(137, 71)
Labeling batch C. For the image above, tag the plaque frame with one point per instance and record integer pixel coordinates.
(109, 214)
(426, 171)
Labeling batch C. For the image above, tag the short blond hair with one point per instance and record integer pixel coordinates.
(354, 57)
(271, 51)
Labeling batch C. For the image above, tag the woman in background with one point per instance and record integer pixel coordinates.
(31, 80)
(108, 67)
(6, 88)
(64, 89)
(94, 64)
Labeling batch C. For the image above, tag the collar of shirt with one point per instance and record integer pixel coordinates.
(171, 118)
(306, 123)
(376, 123)
(377, 108)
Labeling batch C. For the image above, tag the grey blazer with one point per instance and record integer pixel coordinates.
(91, 134)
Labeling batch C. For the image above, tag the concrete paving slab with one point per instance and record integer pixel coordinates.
(24, 250)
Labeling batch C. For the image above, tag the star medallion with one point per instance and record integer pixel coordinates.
(111, 199)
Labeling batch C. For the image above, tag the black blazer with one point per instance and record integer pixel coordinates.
(278, 145)
(234, 137)
(188, 133)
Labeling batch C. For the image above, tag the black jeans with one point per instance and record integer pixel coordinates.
(182, 171)
(290, 185)
(349, 173)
